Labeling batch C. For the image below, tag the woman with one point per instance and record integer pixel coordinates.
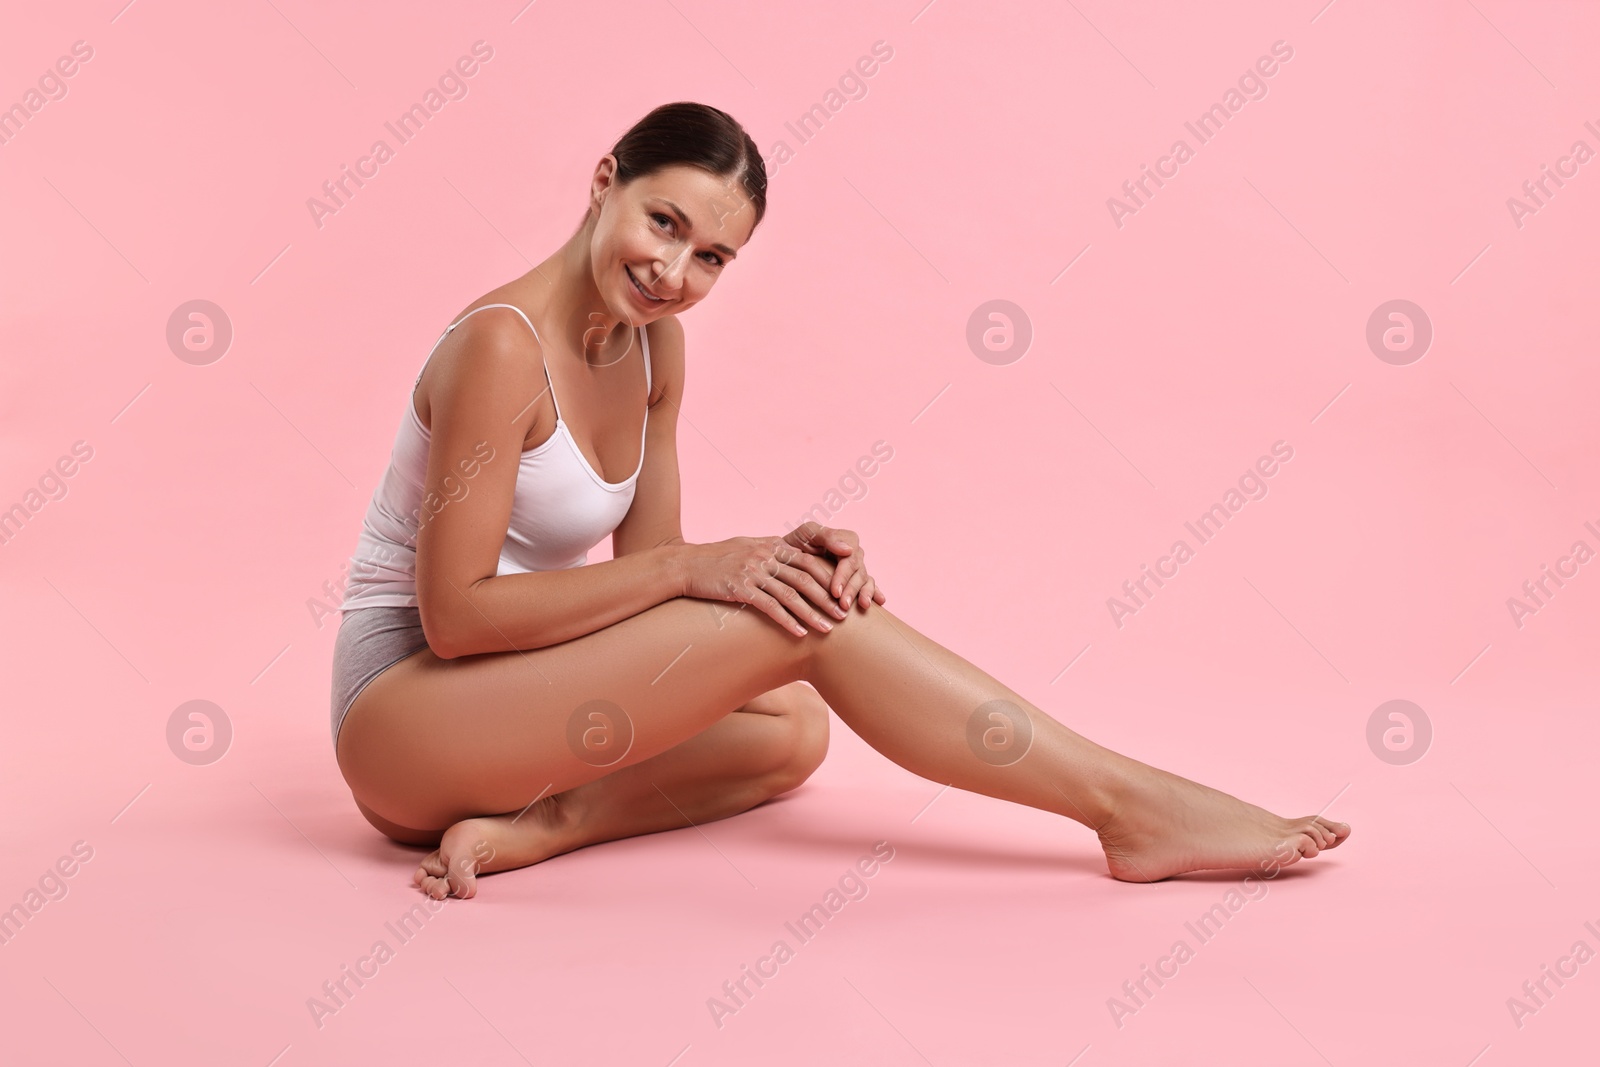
(498, 698)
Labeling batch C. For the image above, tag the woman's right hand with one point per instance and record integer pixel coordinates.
(765, 572)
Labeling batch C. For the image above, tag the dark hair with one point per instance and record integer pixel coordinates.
(696, 135)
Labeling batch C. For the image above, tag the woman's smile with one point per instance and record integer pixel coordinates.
(645, 294)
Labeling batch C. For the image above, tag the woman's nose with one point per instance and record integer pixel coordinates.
(669, 269)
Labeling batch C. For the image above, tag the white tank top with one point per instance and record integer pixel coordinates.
(560, 509)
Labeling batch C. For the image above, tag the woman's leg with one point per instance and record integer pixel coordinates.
(940, 717)
(431, 741)
(766, 747)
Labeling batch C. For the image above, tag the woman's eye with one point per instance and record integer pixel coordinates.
(715, 259)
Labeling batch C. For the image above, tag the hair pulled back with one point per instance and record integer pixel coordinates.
(685, 133)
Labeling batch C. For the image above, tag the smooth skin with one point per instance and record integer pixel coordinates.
(676, 683)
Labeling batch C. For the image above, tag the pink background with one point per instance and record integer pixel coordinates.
(1228, 313)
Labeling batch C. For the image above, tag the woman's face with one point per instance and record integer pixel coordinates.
(672, 232)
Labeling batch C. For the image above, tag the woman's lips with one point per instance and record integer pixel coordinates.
(645, 293)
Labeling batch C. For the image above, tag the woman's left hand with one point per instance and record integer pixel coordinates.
(851, 582)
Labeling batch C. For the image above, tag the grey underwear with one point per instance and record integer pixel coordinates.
(370, 641)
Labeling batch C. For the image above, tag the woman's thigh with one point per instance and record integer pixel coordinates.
(431, 741)
(766, 746)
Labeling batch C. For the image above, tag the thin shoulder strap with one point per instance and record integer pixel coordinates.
(644, 339)
(513, 307)
(536, 337)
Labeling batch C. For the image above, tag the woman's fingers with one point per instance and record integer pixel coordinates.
(813, 537)
(808, 594)
(853, 586)
(859, 587)
(841, 548)
(796, 605)
(815, 581)
(793, 585)
(851, 571)
(783, 582)
(847, 569)
(807, 583)
(817, 567)
(813, 556)
(808, 537)
(769, 604)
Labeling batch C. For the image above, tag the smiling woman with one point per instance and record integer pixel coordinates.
(702, 169)
(500, 700)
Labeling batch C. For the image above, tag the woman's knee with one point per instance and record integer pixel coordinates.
(806, 722)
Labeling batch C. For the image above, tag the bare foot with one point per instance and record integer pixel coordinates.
(495, 843)
(1166, 825)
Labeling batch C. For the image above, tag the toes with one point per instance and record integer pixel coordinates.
(1306, 845)
(463, 885)
(1308, 827)
(430, 869)
(1327, 832)
(462, 876)
(1330, 833)
(440, 879)
(452, 869)
(434, 887)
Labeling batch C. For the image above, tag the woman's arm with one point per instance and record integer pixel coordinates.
(480, 398)
(655, 517)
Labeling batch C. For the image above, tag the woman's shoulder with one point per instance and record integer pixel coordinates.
(489, 352)
(499, 316)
